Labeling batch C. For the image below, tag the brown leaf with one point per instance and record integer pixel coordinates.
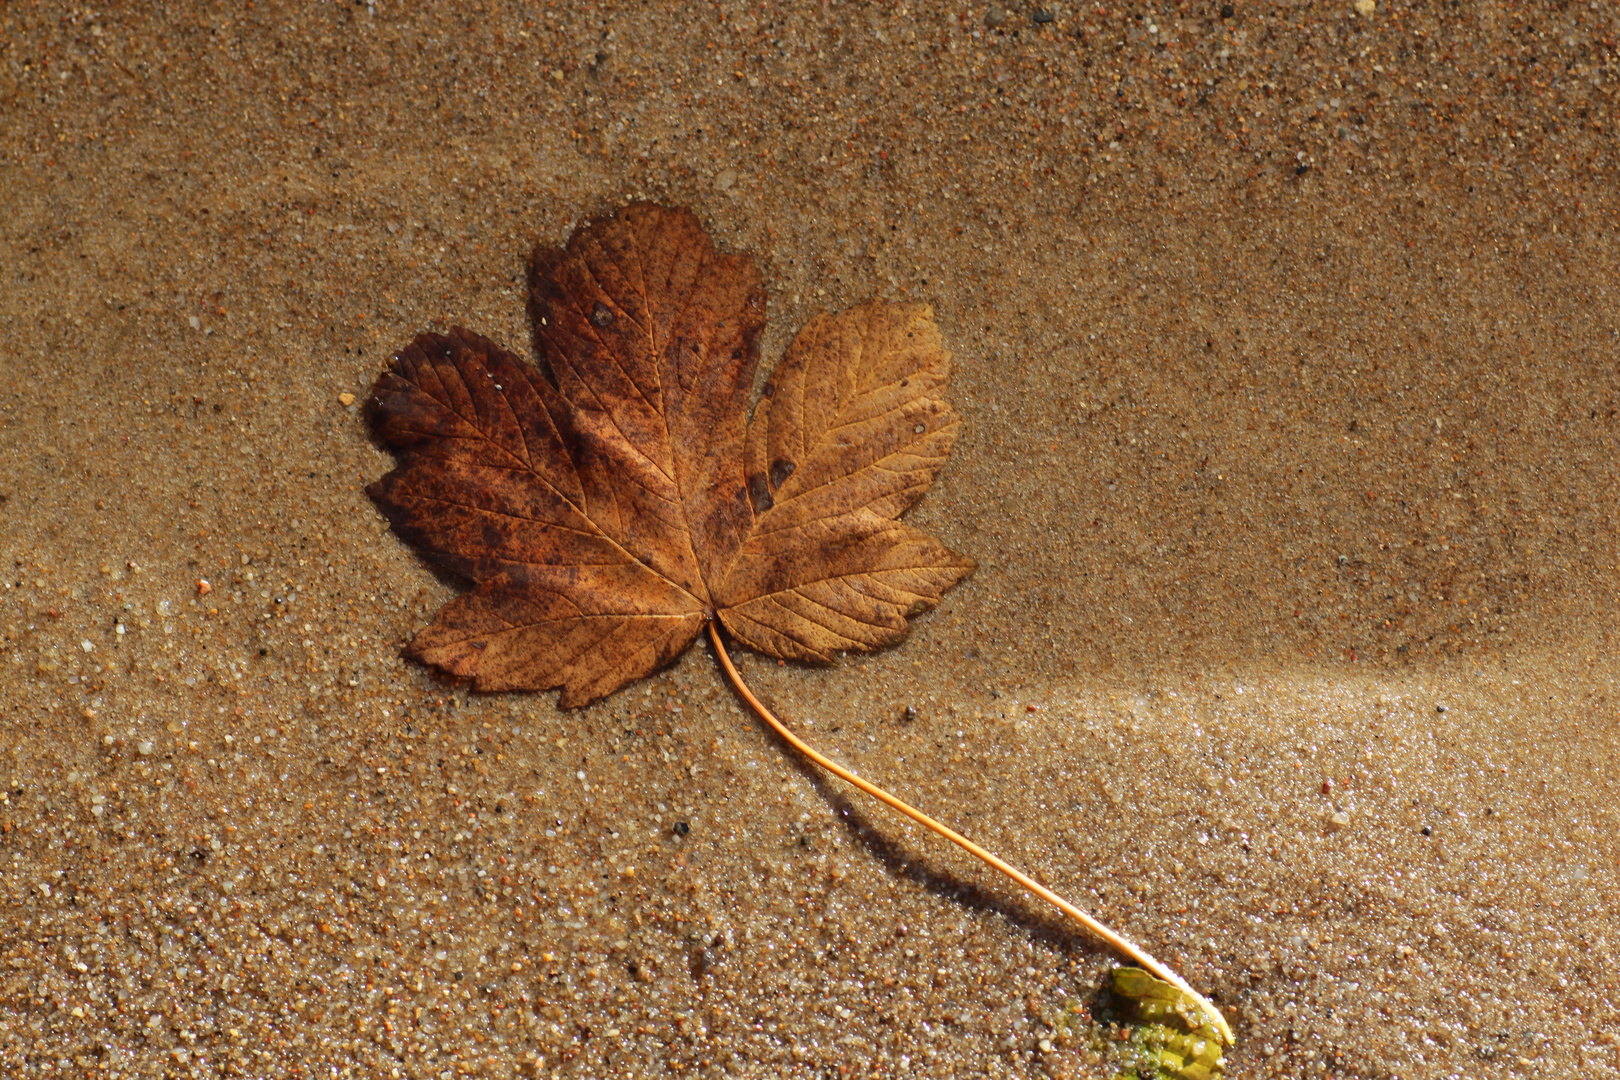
(608, 507)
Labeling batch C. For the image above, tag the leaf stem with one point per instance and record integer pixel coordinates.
(1120, 944)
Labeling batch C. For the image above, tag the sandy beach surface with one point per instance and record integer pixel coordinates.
(1287, 342)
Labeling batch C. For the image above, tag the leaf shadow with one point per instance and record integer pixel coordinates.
(370, 414)
(891, 852)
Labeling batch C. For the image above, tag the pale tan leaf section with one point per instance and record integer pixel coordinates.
(606, 627)
(840, 585)
(853, 416)
(850, 434)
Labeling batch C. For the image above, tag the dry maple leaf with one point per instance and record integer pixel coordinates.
(611, 503)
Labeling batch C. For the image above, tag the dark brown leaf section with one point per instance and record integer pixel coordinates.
(608, 627)
(654, 337)
(487, 488)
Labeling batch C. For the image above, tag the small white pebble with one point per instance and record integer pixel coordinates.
(196, 323)
(1339, 821)
(144, 747)
(87, 645)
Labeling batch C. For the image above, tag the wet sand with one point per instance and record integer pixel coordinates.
(1287, 344)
